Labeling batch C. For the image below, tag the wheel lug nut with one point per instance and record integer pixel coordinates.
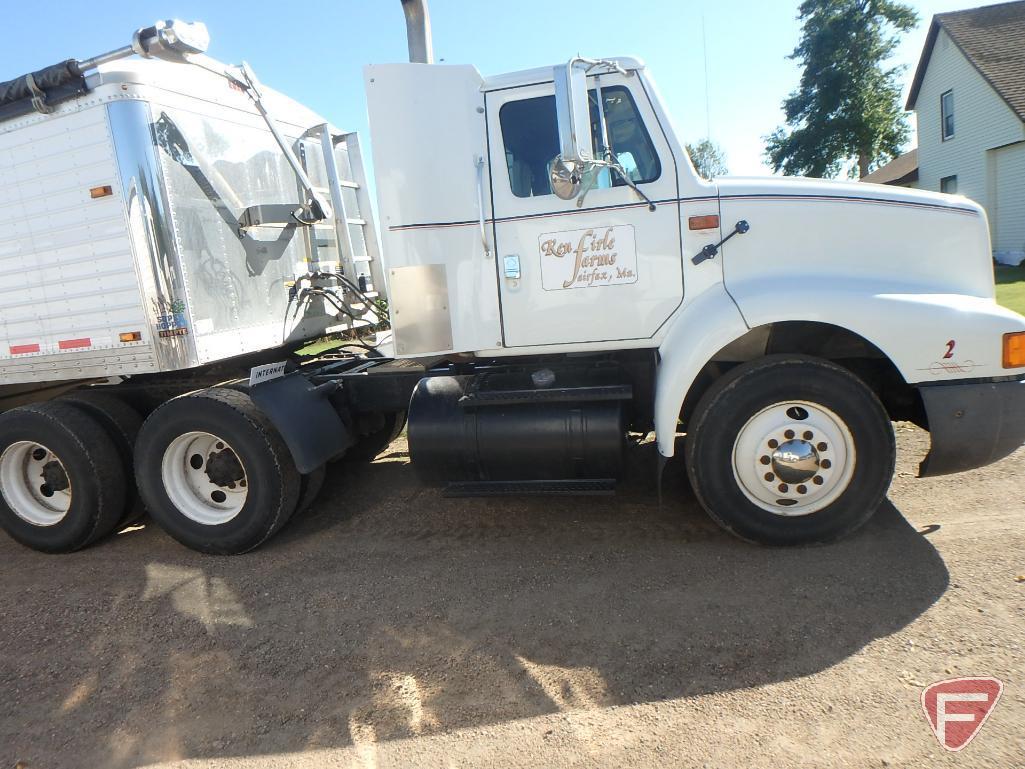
(783, 488)
(220, 446)
(766, 461)
(822, 447)
(769, 477)
(802, 489)
(773, 444)
(817, 480)
(809, 435)
(789, 435)
(826, 464)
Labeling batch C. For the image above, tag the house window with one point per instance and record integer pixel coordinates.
(947, 115)
(948, 184)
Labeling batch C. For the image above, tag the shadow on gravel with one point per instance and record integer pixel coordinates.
(388, 611)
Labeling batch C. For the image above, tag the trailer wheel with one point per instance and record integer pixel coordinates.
(790, 450)
(122, 424)
(62, 483)
(368, 447)
(214, 473)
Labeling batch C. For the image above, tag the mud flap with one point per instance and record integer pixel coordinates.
(305, 417)
(972, 425)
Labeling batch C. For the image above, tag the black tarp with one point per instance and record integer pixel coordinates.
(58, 82)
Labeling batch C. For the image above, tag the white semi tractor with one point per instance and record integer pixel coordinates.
(554, 273)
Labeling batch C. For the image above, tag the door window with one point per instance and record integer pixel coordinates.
(531, 135)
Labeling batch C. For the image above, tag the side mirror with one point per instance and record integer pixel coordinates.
(564, 179)
(573, 112)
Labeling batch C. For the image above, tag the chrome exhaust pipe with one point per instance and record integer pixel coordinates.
(418, 31)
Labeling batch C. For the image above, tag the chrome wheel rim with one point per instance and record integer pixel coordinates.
(204, 478)
(794, 459)
(34, 483)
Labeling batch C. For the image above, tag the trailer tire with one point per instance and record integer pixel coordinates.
(790, 450)
(122, 424)
(62, 482)
(370, 446)
(214, 473)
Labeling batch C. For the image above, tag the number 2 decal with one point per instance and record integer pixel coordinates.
(951, 346)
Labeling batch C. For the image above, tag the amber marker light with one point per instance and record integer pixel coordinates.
(704, 222)
(1014, 350)
(131, 336)
(101, 192)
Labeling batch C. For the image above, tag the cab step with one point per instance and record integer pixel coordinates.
(581, 488)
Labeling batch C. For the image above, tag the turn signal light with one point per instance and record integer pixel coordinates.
(131, 336)
(1014, 350)
(101, 192)
(704, 222)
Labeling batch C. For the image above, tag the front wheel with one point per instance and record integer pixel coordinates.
(790, 450)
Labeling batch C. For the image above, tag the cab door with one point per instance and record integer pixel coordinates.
(606, 271)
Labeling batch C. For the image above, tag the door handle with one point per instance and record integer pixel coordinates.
(480, 206)
(711, 251)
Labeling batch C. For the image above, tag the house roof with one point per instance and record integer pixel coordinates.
(902, 170)
(992, 38)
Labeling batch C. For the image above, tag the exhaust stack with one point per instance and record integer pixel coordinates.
(418, 31)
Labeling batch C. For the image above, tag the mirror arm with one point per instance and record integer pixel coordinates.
(630, 183)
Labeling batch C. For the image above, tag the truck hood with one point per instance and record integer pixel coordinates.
(802, 188)
(895, 239)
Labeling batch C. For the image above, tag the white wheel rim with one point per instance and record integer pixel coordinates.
(34, 483)
(204, 478)
(794, 459)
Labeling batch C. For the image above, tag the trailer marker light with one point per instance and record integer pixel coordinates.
(23, 349)
(1014, 350)
(74, 344)
(704, 222)
(101, 192)
(130, 336)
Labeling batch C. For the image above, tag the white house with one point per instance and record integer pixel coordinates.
(969, 98)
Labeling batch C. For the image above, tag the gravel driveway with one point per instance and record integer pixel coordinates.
(390, 627)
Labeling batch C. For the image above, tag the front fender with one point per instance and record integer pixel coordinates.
(928, 337)
(705, 326)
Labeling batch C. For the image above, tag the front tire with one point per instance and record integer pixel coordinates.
(62, 482)
(790, 450)
(214, 473)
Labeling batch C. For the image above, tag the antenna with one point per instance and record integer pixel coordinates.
(708, 98)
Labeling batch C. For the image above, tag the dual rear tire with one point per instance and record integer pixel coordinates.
(63, 480)
(215, 474)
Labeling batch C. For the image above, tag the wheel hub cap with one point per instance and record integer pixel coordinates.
(795, 461)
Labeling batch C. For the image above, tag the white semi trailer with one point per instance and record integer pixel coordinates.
(557, 276)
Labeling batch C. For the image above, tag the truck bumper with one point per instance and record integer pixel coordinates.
(972, 425)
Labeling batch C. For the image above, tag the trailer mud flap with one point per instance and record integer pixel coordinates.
(303, 414)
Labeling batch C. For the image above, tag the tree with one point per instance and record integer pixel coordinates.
(708, 158)
(847, 108)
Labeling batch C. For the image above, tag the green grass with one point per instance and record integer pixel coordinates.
(1011, 288)
(318, 347)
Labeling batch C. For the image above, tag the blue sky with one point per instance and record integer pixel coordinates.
(314, 50)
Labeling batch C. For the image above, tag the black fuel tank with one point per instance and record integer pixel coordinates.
(461, 432)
